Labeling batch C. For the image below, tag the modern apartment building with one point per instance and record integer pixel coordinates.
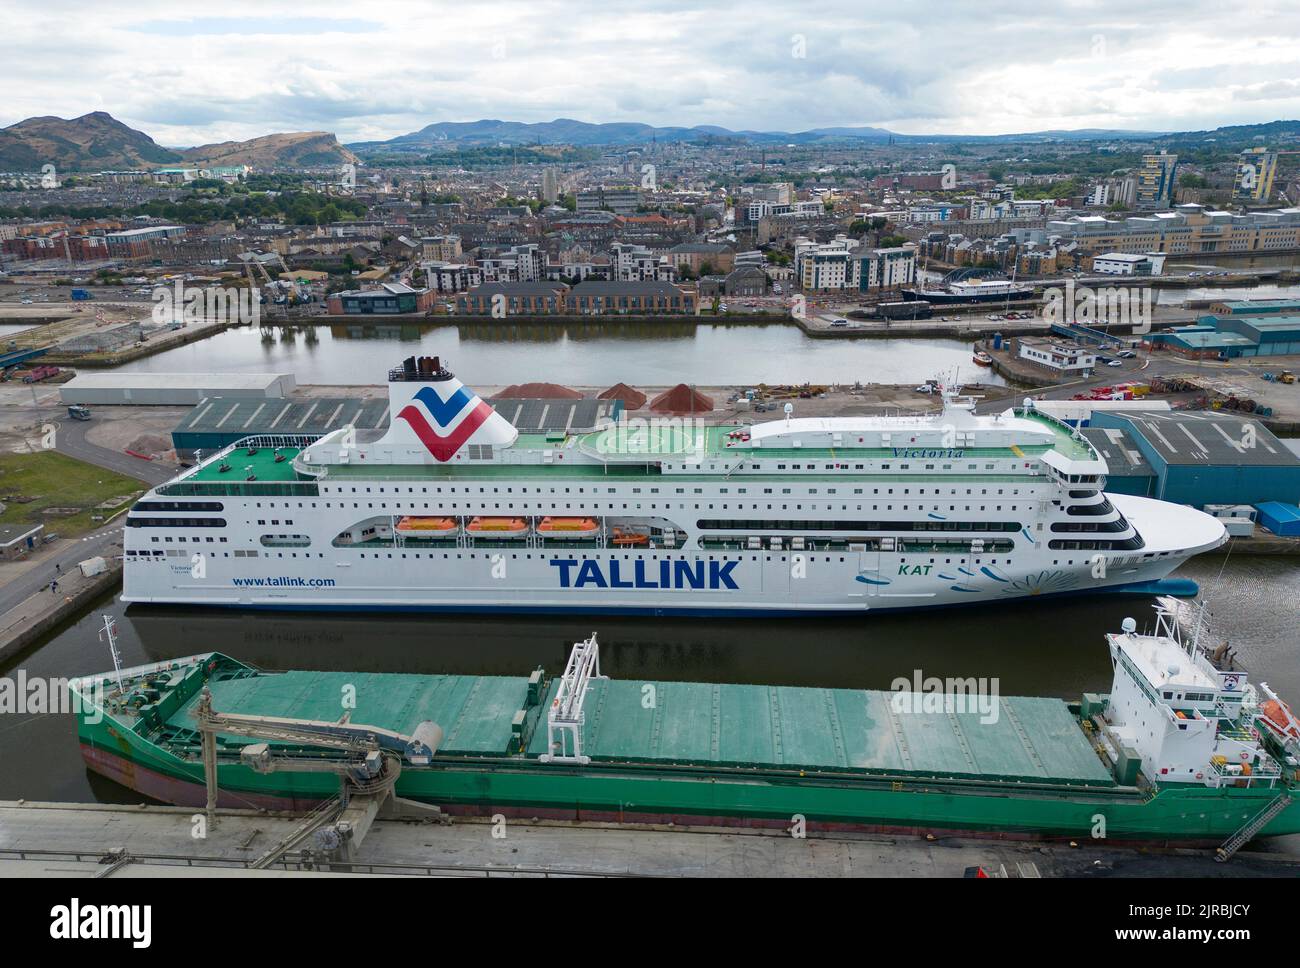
(590, 298)
(1186, 230)
(1255, 173)
(839, 265)
(1155, 180)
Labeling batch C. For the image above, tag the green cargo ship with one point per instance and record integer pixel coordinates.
(1183, 749)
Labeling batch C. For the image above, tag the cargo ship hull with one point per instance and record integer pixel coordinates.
(658, 796)
(704, 754)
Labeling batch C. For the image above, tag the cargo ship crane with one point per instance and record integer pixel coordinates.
(367, 771)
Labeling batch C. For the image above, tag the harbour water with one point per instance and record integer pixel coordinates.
(1051, 647)
(573, 353)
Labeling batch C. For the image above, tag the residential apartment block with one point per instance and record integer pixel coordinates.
(1255, 173)
(590, 298)
(1187, 229)
(842, 264)
(1155, 180)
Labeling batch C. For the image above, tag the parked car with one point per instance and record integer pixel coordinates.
(1115, 363)
(1126, 355)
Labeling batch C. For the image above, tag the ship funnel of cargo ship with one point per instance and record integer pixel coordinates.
(430, 408)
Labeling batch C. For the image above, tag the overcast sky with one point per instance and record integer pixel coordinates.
(926, 66)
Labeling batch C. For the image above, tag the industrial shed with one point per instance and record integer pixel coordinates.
(1127, 471)
(219, 421)
(171, 389)
(1209, 457)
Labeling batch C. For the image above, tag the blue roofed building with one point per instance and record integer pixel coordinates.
(1207, 457)
(1233, 336)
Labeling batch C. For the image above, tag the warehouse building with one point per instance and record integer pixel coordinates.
(1127, 471)
(218, 422)
(1208, 457)
(1254, 307)
(1233, 336)
(171, 389)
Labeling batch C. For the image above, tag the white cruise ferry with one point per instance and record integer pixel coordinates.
(452, 509)
(972, 291)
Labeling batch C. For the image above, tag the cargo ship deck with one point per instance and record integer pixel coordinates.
(688, 724)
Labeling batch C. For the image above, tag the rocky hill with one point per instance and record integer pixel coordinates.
(99, 142)
(92, 142)
(301, 149)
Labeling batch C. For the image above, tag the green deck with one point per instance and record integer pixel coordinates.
(1066, 444)
(473, 711)
(691, 724)
(633, 455)
(262, 463)
(831, 730)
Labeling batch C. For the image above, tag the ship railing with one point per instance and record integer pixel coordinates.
(274, 441)
(1264, 773)
(257, 440)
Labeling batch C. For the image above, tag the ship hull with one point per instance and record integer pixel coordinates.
(1178, 587)
(1186, 815)
(940, 298)
(592, 580)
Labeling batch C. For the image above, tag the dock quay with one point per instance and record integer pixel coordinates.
(41, 839)
(40, 613)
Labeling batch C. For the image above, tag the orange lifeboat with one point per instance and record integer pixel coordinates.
(427, 527)
(498, 527)
(1279, 719)
(629, 539)
(568, 527)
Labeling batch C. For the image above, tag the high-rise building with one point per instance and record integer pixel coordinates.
(1155, 181)
(1255, 172)
(550, 186)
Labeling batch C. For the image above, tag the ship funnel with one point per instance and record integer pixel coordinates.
(430, 409)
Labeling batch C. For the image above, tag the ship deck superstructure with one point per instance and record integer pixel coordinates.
(888, 512)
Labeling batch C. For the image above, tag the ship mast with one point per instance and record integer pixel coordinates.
(109, 632)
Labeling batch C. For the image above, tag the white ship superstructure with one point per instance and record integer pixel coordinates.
(451, 509)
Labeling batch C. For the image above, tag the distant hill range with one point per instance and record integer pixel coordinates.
(566, 131)
(580, 133)
(99, 142)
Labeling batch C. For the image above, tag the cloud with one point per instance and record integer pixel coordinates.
(937, 66)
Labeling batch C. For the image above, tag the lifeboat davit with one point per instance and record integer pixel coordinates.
(1280, 720)
(982, 359)
(427, 527)
(569, 527)
(498, 527)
